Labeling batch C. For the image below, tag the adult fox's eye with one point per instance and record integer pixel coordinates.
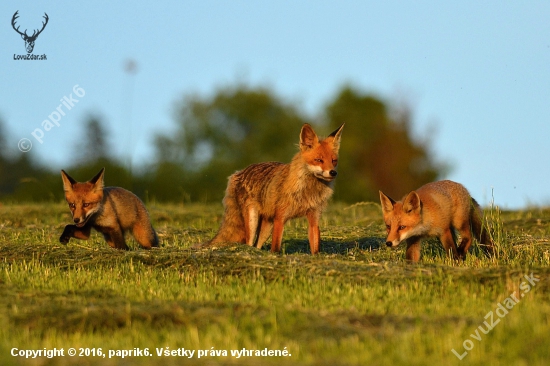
(402, 227)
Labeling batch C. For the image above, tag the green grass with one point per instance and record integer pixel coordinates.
(358, 302)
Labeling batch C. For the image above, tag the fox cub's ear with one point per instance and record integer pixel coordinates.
(308, 137)
(97, 181)
(411, 202)
(386, 202)
(336, 135)
(68, 182)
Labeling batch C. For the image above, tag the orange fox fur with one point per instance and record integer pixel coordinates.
(261, 198)
(110, 210)
(438, 209)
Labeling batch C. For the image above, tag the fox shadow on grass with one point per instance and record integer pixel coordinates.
(297, 246)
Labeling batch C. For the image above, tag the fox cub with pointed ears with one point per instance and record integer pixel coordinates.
(261, 198)
(438, 209)
(110, 210)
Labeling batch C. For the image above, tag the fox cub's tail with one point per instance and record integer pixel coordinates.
(480, 232)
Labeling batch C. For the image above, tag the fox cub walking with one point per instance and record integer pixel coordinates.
(436, 209)
(261, 198)
(110, 210)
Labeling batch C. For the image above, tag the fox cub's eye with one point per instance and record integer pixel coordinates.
(85, 204)
(319, 161)
(72, 205)
(402, 227)
(388, 227)
(334, 162)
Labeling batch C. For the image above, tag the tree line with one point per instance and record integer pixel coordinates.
(236, 126)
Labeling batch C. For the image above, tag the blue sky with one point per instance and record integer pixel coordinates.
(479, 72)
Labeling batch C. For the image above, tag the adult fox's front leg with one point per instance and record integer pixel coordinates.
(314, 233)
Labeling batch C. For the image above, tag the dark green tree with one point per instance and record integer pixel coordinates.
(21, 177)
(378, 151)
(221, 134)
(94, 153)
(93, 146)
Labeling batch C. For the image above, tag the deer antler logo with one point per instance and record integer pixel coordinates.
(29, 40)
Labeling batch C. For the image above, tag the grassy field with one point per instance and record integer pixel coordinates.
(358, 302)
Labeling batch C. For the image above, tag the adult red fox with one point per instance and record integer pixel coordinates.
(110, 210)
(261, 198)
(436, 209)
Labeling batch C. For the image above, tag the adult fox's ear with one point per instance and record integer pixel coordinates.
(336, 135)
(68, 182)
(386, 202)
(411, 202)
(308, 137)
(97, 181)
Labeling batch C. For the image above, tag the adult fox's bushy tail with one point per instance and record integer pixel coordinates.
(232, 226)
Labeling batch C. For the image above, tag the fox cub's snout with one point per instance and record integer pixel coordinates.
(401, 218)
(83, 198)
